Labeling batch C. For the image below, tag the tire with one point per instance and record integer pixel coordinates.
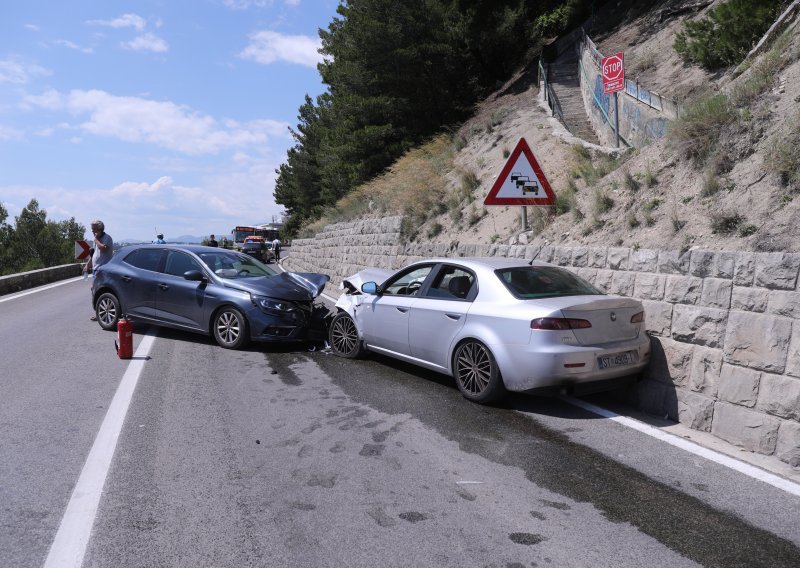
(230, 328)
(476, 373)
(343, 337)
(108, 311)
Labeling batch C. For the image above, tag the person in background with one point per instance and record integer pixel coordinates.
(276, 247)
(102, 252)
(160, 239)
(212, 242)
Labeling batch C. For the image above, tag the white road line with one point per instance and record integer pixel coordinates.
(72, 538)
(39, 289)
(722, 459)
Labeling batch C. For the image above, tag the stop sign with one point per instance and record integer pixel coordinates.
(613, 68)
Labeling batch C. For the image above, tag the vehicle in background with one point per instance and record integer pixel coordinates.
(258, 249)
(494, 324)
(242, 232)
(222, 293)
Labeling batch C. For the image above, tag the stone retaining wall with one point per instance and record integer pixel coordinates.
(25, 280)
(725, 325)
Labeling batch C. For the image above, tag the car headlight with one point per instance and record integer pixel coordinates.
(271, 305)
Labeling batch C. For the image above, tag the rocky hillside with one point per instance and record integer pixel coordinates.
(714, 183)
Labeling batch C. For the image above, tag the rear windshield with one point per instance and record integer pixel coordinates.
(527, 282)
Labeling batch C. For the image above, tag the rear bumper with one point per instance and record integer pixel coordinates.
(526, 368)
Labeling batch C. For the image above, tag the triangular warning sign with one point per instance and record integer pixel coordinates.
(521, 182)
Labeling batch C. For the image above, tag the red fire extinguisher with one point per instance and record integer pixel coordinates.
(125, 333)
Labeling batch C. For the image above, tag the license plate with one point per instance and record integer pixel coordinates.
(618, 359)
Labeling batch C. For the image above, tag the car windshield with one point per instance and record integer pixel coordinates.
(528, 282)
(230, 264)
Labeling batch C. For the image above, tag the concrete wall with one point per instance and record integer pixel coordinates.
(725, 325)
(25, 280)
(639, 123)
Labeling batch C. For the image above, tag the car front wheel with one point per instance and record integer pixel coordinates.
(343, 337)
(476, 373)
(230, 328)
(107, 310)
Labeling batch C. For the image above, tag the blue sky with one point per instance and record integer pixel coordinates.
(167, 114)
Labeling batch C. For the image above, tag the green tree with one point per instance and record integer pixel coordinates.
(727, 34)
(34, 242)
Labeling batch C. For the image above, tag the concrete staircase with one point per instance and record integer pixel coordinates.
(563, 77)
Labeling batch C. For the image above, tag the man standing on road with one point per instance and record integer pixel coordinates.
(276, 248)
(212, 242)
(102, 252)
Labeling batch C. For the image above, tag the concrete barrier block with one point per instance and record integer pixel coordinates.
(749, 299)
(704, 373)
(744, 269)
(644, 260)
(777, 270)
(658, 317)
(780, 396)
(695, 410)
(649, 286)
(683, 289)
(788, 446)
(743, 427)
(757, 341)
(699, 325)
(598, 257)
(716, 293)
(673, 262)
(739, 385)
(701, 263)
(783, 303)
(618, 258)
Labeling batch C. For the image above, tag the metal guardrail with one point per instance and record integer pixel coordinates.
(550, 96)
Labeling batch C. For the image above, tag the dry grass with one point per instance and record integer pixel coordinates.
(415, 186)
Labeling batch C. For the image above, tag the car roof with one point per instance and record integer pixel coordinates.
(196, 249)
(486, 263)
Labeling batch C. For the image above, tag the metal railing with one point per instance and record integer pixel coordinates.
(550, 96)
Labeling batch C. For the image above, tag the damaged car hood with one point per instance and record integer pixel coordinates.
(353, 283)
(294, 286)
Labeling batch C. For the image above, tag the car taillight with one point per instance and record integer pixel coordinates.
(559, 324)
(637, 317)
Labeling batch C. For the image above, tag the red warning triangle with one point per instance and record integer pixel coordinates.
(521, 182)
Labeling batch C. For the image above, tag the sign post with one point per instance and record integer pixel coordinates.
(521, 182)
(613, 68)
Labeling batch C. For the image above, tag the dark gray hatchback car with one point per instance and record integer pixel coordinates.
(223, 293)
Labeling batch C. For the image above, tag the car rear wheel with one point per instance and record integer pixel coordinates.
(107, 310)
(476, 373)
(230, 329)
(343, 337)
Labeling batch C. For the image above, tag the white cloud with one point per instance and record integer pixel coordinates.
(70, 45)
(135, 190)
(32, 27)
(8, 133)
(14, 70)
(49, 100)
(161, 123)
(124, 21)
(147, 42)
(245, 4)
(267, 47)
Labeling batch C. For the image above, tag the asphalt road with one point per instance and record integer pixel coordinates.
(288, 457)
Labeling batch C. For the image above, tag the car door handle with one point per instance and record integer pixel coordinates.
(454, 317)
(126, 278)
(401, 309)
(163, 287)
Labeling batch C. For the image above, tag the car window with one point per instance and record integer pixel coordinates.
(544, 281)
(230, 264)
(146, 259)
(408, 282)
(178, 263)
(451, 283)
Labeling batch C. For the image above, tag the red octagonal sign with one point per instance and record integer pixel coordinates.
(613, 68)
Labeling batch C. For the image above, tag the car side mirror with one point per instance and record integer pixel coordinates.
(194, 275)
(369, 288)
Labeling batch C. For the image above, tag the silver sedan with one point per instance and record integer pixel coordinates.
(494, 324)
